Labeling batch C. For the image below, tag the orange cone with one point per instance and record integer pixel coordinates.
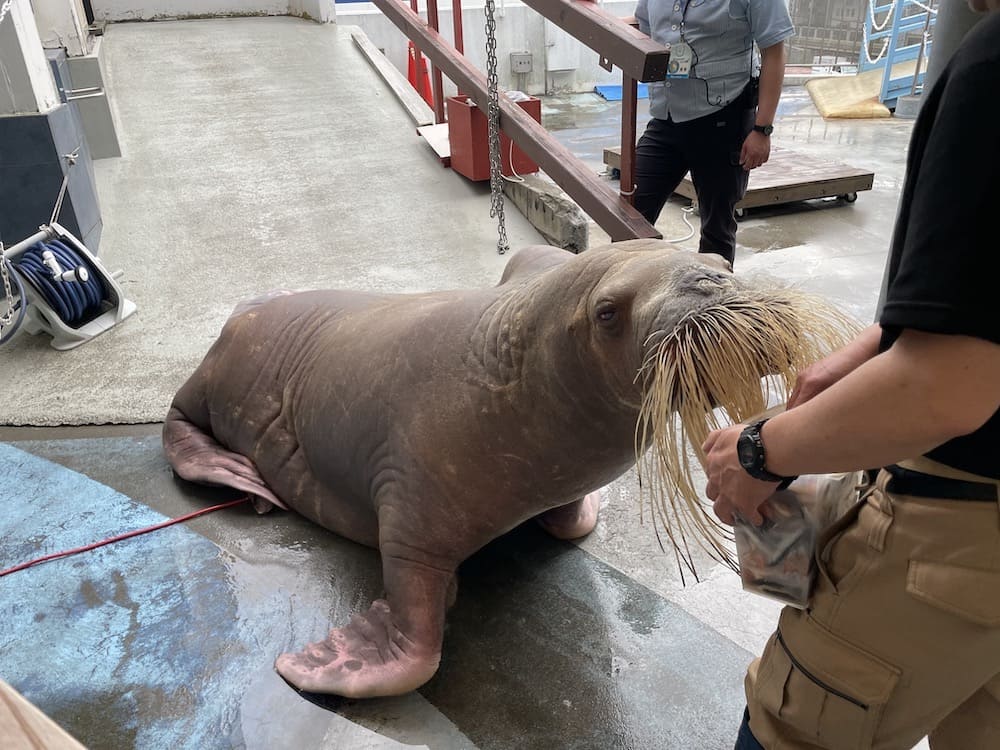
(418, 76)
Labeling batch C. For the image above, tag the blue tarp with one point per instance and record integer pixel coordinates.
(144, 637)
(613, 93)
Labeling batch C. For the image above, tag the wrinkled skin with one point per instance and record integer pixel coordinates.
(427, 425)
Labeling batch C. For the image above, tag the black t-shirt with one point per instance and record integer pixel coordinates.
(944, 265)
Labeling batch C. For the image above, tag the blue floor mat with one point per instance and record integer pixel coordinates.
(613, 93)
(136, 637)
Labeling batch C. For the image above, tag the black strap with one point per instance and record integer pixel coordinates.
(918, 484)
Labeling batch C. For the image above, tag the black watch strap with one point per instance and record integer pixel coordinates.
(750, 448)
(765, 129)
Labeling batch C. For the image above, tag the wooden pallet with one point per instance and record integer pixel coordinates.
(787, 177)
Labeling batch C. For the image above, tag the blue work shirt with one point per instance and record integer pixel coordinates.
(721, 34)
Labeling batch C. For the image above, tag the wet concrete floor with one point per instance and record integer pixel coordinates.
(167, 640)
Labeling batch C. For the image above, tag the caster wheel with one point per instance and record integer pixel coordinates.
(740, 213)
(850, 197)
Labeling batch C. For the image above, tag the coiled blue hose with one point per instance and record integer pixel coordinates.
(72, 301)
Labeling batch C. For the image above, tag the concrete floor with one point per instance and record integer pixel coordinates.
(167, 640)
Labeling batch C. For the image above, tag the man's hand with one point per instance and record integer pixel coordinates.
(756, 150)
(729, 486)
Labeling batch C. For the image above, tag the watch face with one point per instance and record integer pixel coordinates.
(746, 451)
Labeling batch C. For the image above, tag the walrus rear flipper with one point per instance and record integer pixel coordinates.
(198, 457)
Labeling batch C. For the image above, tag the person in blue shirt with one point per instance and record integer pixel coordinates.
(714, 113)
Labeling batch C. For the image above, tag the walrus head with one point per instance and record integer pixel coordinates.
(704, 348)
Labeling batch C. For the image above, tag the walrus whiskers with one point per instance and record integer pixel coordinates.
(717, 366)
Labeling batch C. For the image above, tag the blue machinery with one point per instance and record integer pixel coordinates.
(52, 284)
(902, 34)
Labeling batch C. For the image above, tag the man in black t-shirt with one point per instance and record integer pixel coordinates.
(901, 638)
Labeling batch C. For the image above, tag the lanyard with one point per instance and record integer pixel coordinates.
(684, 11)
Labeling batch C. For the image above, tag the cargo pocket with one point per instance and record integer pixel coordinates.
(838, 551)
(823, 687)
(972, 594)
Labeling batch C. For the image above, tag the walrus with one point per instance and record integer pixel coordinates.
(427, 425)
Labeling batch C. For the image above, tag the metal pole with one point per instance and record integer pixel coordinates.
(630, 95)
(456, 22)
(923, 44)
(954, 19)
(14, 250)
(437, 84)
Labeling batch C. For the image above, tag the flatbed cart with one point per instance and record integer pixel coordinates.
(787, 177)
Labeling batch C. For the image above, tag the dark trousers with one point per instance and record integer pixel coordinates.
(709, 148)
(745, 739)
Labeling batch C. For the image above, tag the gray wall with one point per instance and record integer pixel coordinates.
(559, 62)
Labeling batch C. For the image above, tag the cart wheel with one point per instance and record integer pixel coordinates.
(850, 197)
(740, 213)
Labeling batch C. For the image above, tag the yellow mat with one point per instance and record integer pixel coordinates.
(854, 96)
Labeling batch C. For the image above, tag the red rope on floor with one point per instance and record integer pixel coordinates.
(120, 537)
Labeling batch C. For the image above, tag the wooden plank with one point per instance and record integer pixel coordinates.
(613, 157)
(22, 725)
(412, 102)
(785, 178)
(437, 137)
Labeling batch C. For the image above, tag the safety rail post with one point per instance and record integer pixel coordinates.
(630, 106)
(437, 84)
(456, 24)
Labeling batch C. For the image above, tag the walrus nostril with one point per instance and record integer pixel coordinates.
(704, 281)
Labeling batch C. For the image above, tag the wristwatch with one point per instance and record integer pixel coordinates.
(750, 449)
(765, 129)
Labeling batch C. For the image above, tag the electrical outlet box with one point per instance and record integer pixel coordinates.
(520, 62)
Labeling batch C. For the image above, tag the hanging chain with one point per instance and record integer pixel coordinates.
(8, 316)
(493, 116)
(4, 9)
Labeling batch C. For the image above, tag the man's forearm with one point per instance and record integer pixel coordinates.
(772, 77)
(921, 393)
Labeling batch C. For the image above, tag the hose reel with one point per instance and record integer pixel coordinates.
(52, 284)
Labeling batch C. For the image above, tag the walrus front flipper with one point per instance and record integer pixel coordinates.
(198, 457)
(391, 649)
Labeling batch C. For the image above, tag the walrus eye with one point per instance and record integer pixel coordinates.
(607, 313)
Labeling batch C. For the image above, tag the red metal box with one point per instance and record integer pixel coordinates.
(468, 137)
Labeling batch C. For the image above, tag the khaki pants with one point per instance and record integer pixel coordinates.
(902, 637)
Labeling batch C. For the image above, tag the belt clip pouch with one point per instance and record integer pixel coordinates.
(777, 559)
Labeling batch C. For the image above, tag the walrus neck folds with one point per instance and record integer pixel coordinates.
(727, 358)
(498, 340)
